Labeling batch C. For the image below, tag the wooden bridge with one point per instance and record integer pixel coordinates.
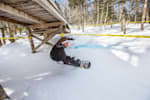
(40, 17)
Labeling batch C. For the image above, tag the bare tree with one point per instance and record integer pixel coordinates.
(147, 15)
(136, 10)
(106, 16)
(102, 12)
(144, 14)
(123, 19)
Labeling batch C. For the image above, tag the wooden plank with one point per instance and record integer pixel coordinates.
(45, 32)
(45, 40)
(47, 5)
(12, 21)
(51, 31)
(46, 25)
(41, 40)
(18, 13)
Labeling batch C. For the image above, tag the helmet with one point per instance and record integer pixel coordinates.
(65, 43)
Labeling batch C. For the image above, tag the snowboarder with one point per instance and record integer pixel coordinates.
(58, 54)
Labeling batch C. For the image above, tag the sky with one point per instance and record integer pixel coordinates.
(61, 1)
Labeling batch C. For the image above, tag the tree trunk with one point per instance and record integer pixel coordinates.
(129, 11)
(123, 19)
(144, 14)
(98, 11)
(78, 17)
(106, 13)
(94, 13)
(112, 14)
(102, 14)
(82, 16)
(147, 15)
(118, 13)
(96, 5)
(86, 15)
(136, 10)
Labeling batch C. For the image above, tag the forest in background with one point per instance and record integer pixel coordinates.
(87, 12)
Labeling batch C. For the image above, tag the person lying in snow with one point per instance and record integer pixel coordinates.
(58, 53)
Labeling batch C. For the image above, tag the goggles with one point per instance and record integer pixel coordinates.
(65, 43)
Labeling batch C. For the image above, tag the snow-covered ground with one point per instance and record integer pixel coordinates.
(120, 68)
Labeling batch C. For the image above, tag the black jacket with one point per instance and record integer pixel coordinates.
(58, 51)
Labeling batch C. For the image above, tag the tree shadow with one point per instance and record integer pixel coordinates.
(130, 30)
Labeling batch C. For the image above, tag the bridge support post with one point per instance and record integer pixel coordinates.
(46, 39)
(31, 40)
(3, 36)
(1, 39)
(0, 43)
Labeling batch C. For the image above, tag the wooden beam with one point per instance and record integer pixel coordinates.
(47, 5)
(0, 42)
(41, 40)
(3, 36)
(31, 40)
(46, 25)
(46, 39)
(15, 12)
(12, 21)
(45, 32)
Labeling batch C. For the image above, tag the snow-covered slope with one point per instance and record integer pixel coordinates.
(120, 69)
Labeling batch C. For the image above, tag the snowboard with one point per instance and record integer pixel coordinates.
(85, 64)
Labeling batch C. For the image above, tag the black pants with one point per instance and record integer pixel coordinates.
(71, 61)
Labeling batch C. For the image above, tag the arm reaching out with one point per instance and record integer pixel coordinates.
(70, 38)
